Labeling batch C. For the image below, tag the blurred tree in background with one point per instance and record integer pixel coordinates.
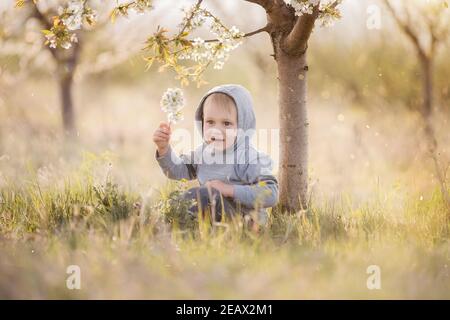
(85, 46)
(426, 25)
(64, 49)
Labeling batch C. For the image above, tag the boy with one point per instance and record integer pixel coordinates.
(233, 175)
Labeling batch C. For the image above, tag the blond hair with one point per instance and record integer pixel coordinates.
(221, 99)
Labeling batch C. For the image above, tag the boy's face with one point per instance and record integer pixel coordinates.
(219, 125)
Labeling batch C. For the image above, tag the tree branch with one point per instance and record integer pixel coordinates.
(41, 17)
(70, 60)
(197, 5)
(297, 40)
(266, 28)
(433, 25)
(43, 20)
(406, 28)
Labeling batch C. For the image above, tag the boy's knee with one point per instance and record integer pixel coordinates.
(205, 198)
(199, 194)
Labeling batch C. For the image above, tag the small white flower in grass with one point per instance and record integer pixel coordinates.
(172, 102)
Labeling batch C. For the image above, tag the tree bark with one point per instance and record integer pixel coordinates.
(290, 35)
(293, 166)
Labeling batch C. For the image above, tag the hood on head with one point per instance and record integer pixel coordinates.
(244, 104)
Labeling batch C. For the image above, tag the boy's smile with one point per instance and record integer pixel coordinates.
(219, 125)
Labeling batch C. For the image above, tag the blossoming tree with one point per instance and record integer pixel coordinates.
(289, 25)
(65, 22)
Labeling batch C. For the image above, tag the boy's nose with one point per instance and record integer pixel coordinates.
(213, 132)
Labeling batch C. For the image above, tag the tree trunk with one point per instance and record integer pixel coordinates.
(66, 98)
(427, 105)
(66, 62)
(426, 112)
(293, 166)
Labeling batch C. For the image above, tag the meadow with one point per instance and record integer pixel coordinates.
(103, 204)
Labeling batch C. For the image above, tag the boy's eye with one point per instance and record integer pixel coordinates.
(227, 123)
(209, 122)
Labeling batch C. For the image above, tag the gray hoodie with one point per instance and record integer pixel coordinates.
(249, 170)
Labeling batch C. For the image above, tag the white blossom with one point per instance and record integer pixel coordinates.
(71, 19)
(73, 14)
(52, 40)
(204, 53)
(90, 15)
(172, 102)
(140, 6)
(198, 42)
(234, 31)
(66, 45)
(306, 7)
(197, 20)
(218, 65)
(219, 52)
(175, 117)
(302, 6)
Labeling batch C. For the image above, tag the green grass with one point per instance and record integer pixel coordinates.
(129, 246)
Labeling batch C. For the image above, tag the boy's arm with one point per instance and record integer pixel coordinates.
(263, 193)
(262, 187)
(175, 167)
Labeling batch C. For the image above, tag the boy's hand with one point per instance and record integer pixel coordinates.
(161, 138)
(227, 190)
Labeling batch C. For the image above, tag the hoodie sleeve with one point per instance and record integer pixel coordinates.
(261, 189)
(176, 167)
